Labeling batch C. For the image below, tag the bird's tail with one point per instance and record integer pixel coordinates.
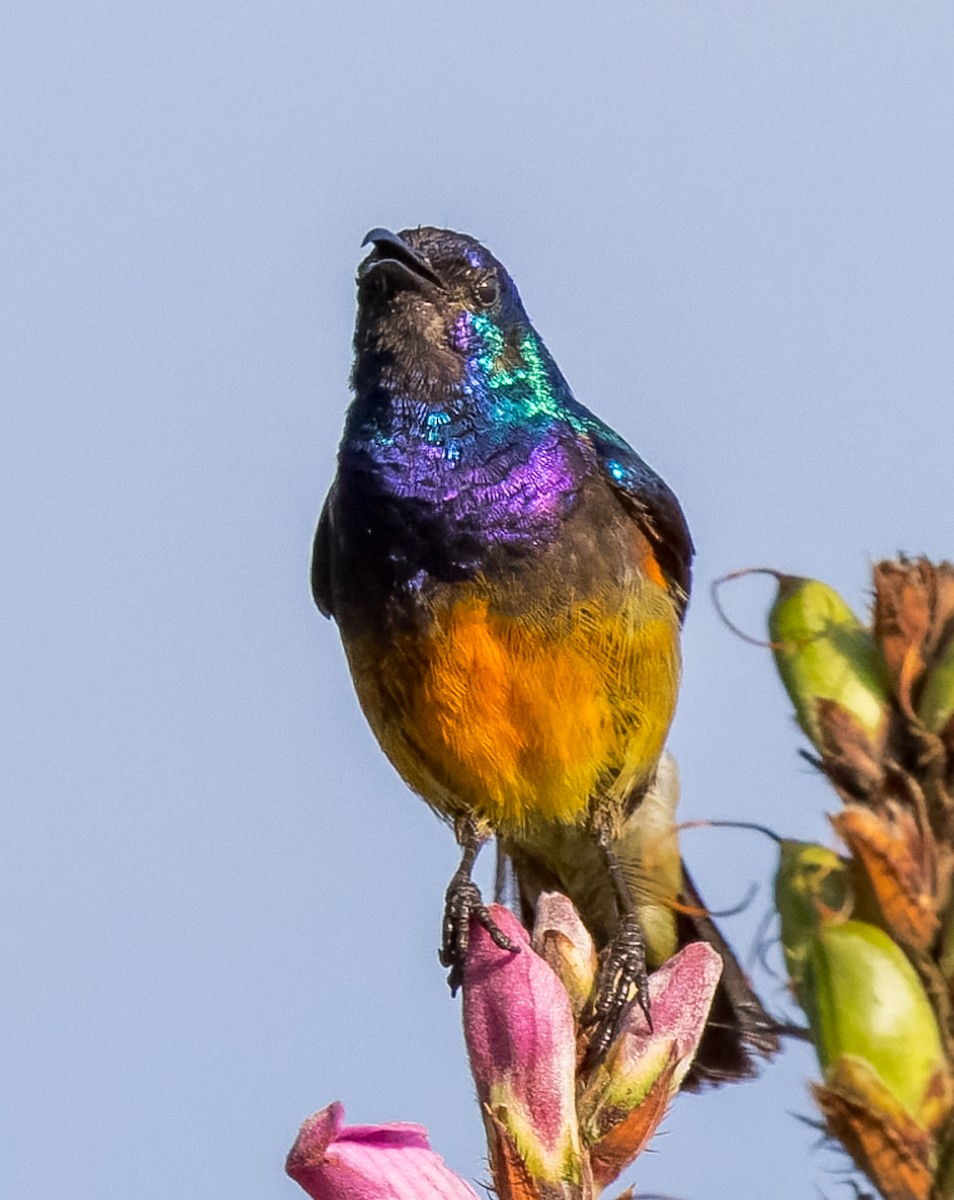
(739, 1027)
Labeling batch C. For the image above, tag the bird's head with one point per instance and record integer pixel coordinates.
(437, 312)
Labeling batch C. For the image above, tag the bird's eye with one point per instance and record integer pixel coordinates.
(486, 291)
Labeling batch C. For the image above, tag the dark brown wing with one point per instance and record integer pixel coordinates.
(654, 507)
(321, 559)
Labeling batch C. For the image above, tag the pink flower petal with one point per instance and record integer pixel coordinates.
(370, 1162)
(680, 996)
(561, 938)
(522, 1044)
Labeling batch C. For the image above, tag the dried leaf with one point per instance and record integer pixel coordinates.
(893, 1151)
(849, 757)
(941, 597)
(898, 864)
(944, 597)
(902, 620)
(617, 1148)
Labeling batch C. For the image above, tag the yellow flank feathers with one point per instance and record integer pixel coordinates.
(521, 720)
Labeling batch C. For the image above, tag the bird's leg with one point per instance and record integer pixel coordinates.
(461, 902)
(622, 969)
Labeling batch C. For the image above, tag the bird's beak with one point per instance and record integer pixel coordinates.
(393, 256)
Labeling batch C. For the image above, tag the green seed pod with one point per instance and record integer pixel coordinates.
(936, 705)
(866, 1002)
(811, 889)
(823, 652)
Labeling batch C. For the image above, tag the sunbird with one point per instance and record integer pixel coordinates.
(509, 579)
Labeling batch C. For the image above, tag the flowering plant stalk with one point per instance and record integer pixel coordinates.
(868, 934)
(555, 1129)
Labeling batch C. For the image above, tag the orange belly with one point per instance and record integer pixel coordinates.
(515, 721)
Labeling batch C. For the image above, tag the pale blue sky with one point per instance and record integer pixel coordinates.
(731, 222)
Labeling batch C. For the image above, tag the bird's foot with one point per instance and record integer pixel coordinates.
(622, 981)
(462, 902)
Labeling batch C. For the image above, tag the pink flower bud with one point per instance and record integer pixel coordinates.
(370, 1162)
(522, 1044)
(628, 1094)
(561, 938)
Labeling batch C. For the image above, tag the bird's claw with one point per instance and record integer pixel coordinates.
(462, 902)
(622, 981)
